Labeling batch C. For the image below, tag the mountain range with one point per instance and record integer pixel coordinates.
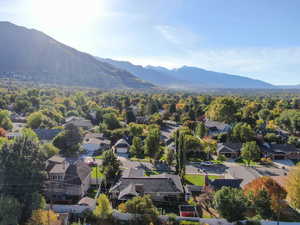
(31, 55)
(188, 77)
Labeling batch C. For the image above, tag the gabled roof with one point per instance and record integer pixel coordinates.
(121, 141)
(229, 147)
(129, 190)
(77, 173)
(79, 121)
(47, 134)
(57, 159)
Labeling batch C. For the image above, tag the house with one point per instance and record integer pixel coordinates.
(47, 135)
(94, 142)
(79, 122)
(142, 120)
(162, 188)
(16, 118)
(121, 147)
(65, 180)
(214, 127)
(280, 151)
(229, 150)
(12, 135)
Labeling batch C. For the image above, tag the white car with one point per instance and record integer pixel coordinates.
(206, 163)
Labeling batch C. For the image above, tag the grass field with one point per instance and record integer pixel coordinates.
(94, 173)
(197, 179)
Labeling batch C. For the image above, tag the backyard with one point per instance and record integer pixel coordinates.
(198, 179)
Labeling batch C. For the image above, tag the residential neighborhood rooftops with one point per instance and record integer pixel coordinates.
(219, 183)
(229, 147)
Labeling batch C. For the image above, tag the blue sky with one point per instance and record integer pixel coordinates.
(255, 38)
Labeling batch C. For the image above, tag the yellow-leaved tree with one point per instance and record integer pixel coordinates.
(293, 186)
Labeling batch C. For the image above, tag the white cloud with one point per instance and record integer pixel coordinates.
(178, 36)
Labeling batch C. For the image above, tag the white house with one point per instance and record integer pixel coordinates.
(121, 146)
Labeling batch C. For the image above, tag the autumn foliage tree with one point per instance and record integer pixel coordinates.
(2, 132)
(293, 186)
(275, 191)
(43, 217)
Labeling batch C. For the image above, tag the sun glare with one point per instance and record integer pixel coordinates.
(61, 13)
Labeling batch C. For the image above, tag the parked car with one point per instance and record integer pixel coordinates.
(207, 163)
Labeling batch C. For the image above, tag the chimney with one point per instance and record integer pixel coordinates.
(139, 188)
(206, 181)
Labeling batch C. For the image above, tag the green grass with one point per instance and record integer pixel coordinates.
(194, 159)
(151, 172)
(94, 173)
(197, 179)
(244, 162)
(147, 159)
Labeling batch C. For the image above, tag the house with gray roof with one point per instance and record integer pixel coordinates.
(79, 122)
(280, 151)
(46, 135)
(162, 188)
(229, 150)
(215, 127)
(65, 180)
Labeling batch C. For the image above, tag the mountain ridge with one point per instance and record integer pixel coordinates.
(35, 56)
(187, 77)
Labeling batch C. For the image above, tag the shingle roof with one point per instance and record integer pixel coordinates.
(58, 168)
(151, 184)
(219, 183)
(77, 173)
(57, 159)
(47, 134)
(229, 147)
(130, 173)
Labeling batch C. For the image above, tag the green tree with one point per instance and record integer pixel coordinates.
(230, 203)
(152, 145)
(169, 156)
(250, 152)
(135, 129)
(201, 130)
(68, 141)
(49, 150)
(10, 210)
(143, 208)
(35, 120)
(243, 132)
(110, 166)
(22, 166)
(103, 209)
(222, 109)
(5, 121)
(111, 121)
(129, 116)
(262, 204)
(136, 148)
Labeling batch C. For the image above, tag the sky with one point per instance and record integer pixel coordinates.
(255, 38)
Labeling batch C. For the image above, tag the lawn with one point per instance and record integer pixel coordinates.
(94, 173)
(147, 159)
(197, 179)
(151, 172)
